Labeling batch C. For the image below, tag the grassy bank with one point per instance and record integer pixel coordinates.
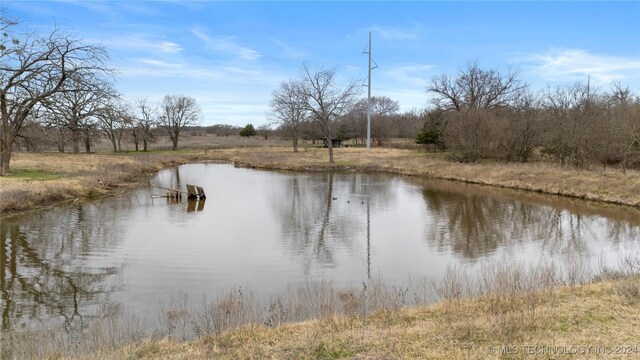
(47, 178)
(594, 315)
(516, 308)
(610, 186)
(43, 179)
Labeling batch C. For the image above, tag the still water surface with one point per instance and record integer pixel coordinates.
(267, 231)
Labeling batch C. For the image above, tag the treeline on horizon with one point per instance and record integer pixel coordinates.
(477, 114)
(59, 92)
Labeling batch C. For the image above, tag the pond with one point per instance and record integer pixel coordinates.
(267, 231)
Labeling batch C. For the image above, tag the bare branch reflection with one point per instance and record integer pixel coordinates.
(474, 221)
(43, 267)
(314, 229)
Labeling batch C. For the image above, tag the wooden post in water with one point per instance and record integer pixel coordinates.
(193, 192)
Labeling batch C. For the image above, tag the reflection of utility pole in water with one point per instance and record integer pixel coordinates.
(368, 198)
(368, 241)
(177, 184)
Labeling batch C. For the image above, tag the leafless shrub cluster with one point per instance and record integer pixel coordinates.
(230, 310)
(489, 114)
(51, 342)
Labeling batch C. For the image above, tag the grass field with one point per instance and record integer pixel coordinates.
(42, 179)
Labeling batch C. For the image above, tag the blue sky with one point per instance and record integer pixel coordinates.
(230, 56)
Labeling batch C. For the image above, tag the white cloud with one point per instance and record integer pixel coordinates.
(226, 44)
(112, 8)
(577, 64)
(219, 106)
(142, 42)
(409, 74)
(95, 6)
(410, 33)
(150, 67)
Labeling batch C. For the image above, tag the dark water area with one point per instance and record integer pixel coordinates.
(268, 231)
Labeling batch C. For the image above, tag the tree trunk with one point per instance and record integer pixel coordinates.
(295, 143)
(75, 135)
(75, 142)
(5, 159)
(144, 145)
(6, 147)
(87, 144)
(113, 142)
(136, 143)
(175, 143)
(330, 143)
(60, 141)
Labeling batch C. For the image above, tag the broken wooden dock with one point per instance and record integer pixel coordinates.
(193, 192)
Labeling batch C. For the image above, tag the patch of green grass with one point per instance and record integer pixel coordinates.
(36, 175)
(333, 350)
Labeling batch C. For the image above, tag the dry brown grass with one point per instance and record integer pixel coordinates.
(42, 179)
(47, 178)
(499, 304)
(611, 186)
(589, 315)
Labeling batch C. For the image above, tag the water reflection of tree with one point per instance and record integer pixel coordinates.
(474, 221)
(314, 219)
(169, 178)
(44, 271)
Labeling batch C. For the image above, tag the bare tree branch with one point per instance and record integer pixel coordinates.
(288, 108)
(325, 101)
(176, 112)
(33, 69)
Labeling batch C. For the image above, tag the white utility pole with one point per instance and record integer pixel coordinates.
(369, 98)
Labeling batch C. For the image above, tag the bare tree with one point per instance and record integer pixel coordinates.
(32, 69)
(382, 109)
(223, 129)
(135, 130)
(83, 96)
(408, 124)
(289, 110)
(475, 88)
(265, 130)
(111, 120)
(573, 117)
(326, 101)
(176, 112)
(146, 121)
(520, 130)
(33, 136)
(479, 103)
(623, 143)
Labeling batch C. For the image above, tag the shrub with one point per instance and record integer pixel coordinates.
(248, 130)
